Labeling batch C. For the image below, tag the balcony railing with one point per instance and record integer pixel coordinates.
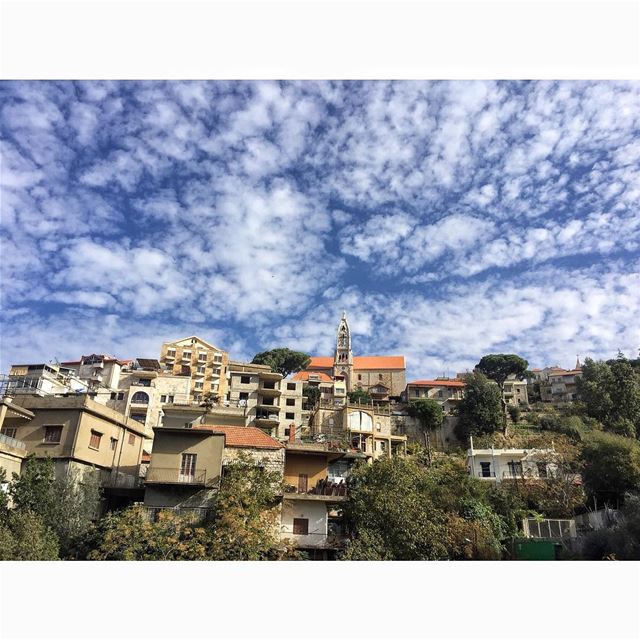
(121, 480)
(12, 442)
(165, 475)
(194, 514)
(324, 487)
(485, 474)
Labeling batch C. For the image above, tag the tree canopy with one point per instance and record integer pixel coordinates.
(612, 465)
(359, 395)
(283, 360)
(480, 410)
(610, 393)
(499, 366)
(430, 416)
(398, 509)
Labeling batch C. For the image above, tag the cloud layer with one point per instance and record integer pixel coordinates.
(449, 219)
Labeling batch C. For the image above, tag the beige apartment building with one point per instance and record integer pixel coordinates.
(79, 434)
(204, 363)
(12, 450)
(269, 401)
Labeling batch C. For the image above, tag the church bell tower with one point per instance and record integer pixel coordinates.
(343, 360)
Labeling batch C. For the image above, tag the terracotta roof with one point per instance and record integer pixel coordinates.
(321, 362)
(360, 362)
(249, 437)
(304, 375)
(567, 373)
(437, 383)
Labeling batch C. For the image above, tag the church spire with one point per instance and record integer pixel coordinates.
(343, 360)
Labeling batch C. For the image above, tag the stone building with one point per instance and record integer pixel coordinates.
(380, 376)
(445, 391)
(204, 363)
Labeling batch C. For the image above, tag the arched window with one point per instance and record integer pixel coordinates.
(360, 421)
(140, 397)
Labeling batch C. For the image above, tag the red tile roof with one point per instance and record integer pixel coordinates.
(437, 383)
(304, 375)
(247, 437)
(360, 362)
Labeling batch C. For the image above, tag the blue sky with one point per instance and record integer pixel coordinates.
(450, 219)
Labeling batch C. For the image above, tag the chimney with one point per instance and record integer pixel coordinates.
(292, 433)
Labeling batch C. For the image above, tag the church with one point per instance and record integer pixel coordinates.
(380, 376)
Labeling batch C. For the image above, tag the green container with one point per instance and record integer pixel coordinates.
(531, 549)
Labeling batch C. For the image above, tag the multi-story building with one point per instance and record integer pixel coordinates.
(187, 464)
(100, 372)
(514, 392)
(80, 434)
(12, 450)
(315, 479)
(144, 387)
(41, 379)
(445, 391)
(203, 362)
(381, 376)
(270, 402)
(366, 428)
(556, 385)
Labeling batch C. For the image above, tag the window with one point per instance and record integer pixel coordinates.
(113, 395)
(171, 353)
(199, 385)
(52, 434)
(331, 422)
(244, 395)
(378, 426)
(515, 469)
(186, 354)
(201, 369)
(170, 399)
(10, 431)
(416, 392)
(245, 379)
(94, 441)
(132, 439)
(202, 357)
(187, 467)
(485, 469)
(382, 445)
(286, 432)
(113, 443)
(379, 376)
(163, 399)
(139, 417)
(291, 402)
(300, 526)
(143, 382)
(217, 359)
(440, 393)
(289, 416)
(291, 386)
(140, 397)
(121, 395)
(542, 469)
(359, 376)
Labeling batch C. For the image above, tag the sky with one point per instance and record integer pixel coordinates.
(449, 219)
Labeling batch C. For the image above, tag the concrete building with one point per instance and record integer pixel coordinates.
(515, 392)
(143, 388)
(204, 363)
(12, 450)
(445, 391)
(187, 464)
(100, 372)
(269, 401)
(498, 465)
(41, 379)
(366, 428)
(315, 480)
(81, 435)
(381, 376)
(556, 385)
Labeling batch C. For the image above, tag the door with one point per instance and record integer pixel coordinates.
(303, 480)
(187, 468)
(301, 526)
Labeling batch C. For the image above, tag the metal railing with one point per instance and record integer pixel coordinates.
(175, 476)
(12, 442)
(322, 488)
(490, 474)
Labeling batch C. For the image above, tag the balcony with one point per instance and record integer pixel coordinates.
(325, 490)
(491, 475)
(269, 391)
(164, 475)
(267, 418)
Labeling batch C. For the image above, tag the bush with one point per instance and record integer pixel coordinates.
(24, 536)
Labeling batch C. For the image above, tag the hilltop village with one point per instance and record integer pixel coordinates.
(162, 435)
